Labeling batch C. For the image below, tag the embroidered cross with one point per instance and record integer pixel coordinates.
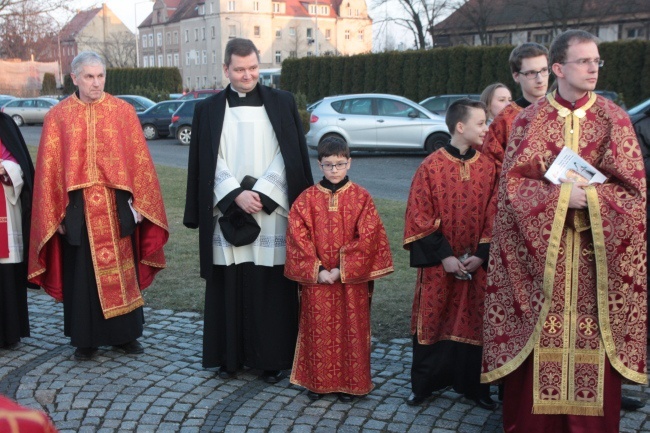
(552, 325)
(589, 251)
(588, 326)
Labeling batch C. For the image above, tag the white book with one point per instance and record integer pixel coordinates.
(569, 165)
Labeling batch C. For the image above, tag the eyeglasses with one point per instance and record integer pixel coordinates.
(584, 63)
(330, 167)
(531, 75)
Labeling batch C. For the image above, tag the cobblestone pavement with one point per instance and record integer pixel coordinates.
(167, 390)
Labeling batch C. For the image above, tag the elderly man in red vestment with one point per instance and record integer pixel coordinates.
(448, 229)
(98, 220)
(565, 307)
(529, 67)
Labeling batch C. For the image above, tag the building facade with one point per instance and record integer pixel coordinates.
(497, 22)
(192, 34)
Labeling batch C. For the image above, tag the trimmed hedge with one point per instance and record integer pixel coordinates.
(420, 74)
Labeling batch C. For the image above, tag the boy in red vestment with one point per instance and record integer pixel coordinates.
(448, 230)
(336, 247)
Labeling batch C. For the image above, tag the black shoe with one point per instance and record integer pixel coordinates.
(486, 403)
(130, 348)
(272, 376)
(313, 396)
(225, 374)
(415, 400)
(84, 353)
(345, 398)
(631, 404)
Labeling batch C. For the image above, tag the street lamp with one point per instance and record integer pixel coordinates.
(237, 22)
(135, 19)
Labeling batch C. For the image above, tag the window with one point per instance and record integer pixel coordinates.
(347, 35)
(169, 60)
(256, 6)
(542, 39)
(213, 32)
(360, 35)
(205, 81)
(356, 12)
(389, 107)
(203, 33)
(175, 37)
(204, 57)
(293, 54)
(635, 33)
(169, 38)
(292, 31)
(176, 59)
(214, 57)
(198, 82)
(278, 33)
(196, 34)
(160, 60)
(159, 39)
(310, 33)
(324, 10)
(278, 57)
(189, 82)
(187, 59)
(256, 31)
(361, 106)
(211, 7)
(202, 9)
(232, 31)
(276, 8)
(187, 35)
(312, 9)
(150, 39)
(197, 58)
(145, 62)
(231, 5)
(328, 34)
(151, 62)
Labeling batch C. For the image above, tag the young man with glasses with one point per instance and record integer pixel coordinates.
(448, 229)
(566, 295)
(336, 247)
(529, 66)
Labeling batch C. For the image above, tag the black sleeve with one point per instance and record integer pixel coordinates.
(268, 205)
(229, 199)
(430, 250)
(124, 213)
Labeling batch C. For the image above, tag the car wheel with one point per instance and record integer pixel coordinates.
(150, 132)
(19, 120)
(436, 141)
(184, 134)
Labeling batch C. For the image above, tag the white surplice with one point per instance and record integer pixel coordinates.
(14, 220)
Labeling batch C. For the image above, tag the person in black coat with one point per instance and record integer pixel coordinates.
(17, 178)
(248, 162)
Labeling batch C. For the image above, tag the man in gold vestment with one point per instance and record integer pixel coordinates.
(565, 306)
(98, 220)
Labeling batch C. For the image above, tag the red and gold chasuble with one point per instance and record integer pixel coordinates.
(18, 419)
(97, 147)
(336, 230)
(456, 197)
(496, 139)
(568, 286)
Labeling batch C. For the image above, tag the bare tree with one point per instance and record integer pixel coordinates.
(419, 18)
(478, 14)
(25, 31)
(37, 7)
(118, 49)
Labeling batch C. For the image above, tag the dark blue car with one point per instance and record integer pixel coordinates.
(155, 120)
(181, 126)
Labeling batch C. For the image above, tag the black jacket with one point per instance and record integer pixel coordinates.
(207, 125)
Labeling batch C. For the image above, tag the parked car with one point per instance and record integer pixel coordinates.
(6, 98)
(377, 122)
(140, 103)
(640, 108)
(200, 94)
(181, 126)
(155, 120)
(26, 111)
(439, 104)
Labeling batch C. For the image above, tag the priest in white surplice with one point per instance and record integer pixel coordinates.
(247, 152)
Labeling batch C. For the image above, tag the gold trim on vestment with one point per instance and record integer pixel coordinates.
(411, 239)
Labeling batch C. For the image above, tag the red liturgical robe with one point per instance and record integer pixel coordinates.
(568, 286)
(496, 139)
(17, 419)
(97, 147)
(335, 230)
(453, 196)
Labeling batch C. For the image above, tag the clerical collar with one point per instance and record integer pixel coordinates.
(334, 187)
(572, 105)
(523, 102)
(456, 153)
(250, 99)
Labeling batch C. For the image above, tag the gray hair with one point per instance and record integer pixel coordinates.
(86, 58)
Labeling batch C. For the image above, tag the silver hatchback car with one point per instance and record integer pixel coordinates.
(26, 111)
(377, 122)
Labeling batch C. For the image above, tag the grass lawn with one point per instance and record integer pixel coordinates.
(179, 287)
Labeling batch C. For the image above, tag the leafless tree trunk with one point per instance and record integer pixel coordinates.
(25, 32)
(118, 49)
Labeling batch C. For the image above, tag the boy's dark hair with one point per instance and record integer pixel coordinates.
(560, 44)
(239, 47)
(459, 110)
(333, 146)
(525, 51)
